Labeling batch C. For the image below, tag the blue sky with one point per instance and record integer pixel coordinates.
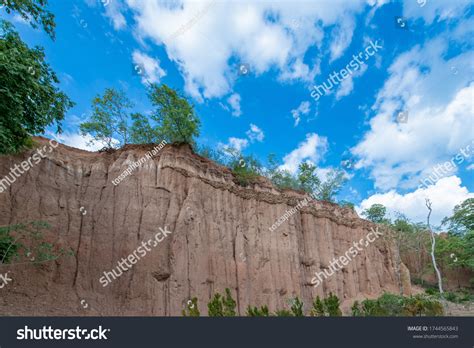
(423, 70)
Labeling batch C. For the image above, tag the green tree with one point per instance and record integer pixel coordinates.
(191, 309)
(142, 132)
(376, 213)
(307, 178)
(331, 305)
(318, 308)
(29, 98)
(215, 307)
(297, 307)
(32, 11)
(462, 219)
(280, 178)
(109, 118)
(175, 117)
(222, 306)
(228, 304)
(324, 190)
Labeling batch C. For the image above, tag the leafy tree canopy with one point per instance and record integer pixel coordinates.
(29, 97)
(174, 115)
(33, 11)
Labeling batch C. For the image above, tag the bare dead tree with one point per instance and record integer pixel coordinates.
(433, 244)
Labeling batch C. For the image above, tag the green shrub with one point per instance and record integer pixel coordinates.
(395, 305)
(297, 307)
(191, 309)
(328, 307)
(221, 306)
(34, 248)
(258, 312)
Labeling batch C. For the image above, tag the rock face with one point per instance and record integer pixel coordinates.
(220, 237)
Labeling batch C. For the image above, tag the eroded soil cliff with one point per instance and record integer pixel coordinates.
(219, 237)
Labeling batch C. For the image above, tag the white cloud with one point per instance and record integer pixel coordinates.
(444, 195)
(342, 37)
(206, 40)
(303, 109)
(234, 101)
(78, 141)
(113, 10)
(237, 144)
(255, 133)
(438, 101)
(147, 67)
(312, 149)
(347, 85)
(434, 9)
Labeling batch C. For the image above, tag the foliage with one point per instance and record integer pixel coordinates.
(355, 309)
(396, 305)
(22, 242)
(229, 304)
(191, 309)
(376, 213)
(9, 247)
(280, 178)
(307, 178)
(332, 305)
(328, 307)
(142, 132)
(462, 220)
(347, 204)
(258, 312)
(109, 118)
(175, 117)
(215, 307)
(34, 12)
(318, 309)
(297, 307)
(332, 185)
(29, 98)
(246, 169)
(221, 306)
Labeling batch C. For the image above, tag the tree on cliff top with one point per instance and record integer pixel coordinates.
(29, 98)
(176, 119)
(376, 213)
(109, 120)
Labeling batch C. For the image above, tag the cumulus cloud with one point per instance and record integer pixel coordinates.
(312, 149)
(238, 144)
(147, 67)
(444, 195)
(205, 39)
(234, 101)
(438, 101)
(255, 133)
(79, 141)
(303, 109)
